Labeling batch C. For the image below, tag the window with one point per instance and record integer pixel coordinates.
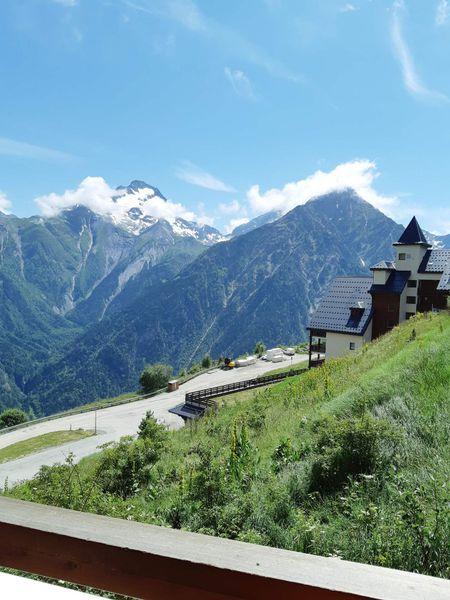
(401, 256)
(391, 307)
(409, 315)
(410, 299)
(412, 283)
(352, 345)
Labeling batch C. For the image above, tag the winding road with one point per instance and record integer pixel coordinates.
(116, 421)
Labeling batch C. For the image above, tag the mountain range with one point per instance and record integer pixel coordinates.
(89, 299)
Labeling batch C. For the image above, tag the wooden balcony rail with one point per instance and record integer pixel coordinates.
(239, 386)
(316, 362)
(145, 561)
(318, 348)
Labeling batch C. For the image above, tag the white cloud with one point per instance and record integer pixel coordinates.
(442, 12)
(197, 176)
(24, 150)
(230, 208)
(411, 78)
(187, 14)
(66, 2)
(348, 7)
(240, 83)
(235, 223)
(97, 195)
(358, 175)
(5, 204)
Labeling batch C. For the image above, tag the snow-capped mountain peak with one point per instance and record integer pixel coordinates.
(140, 206)
(136, 185)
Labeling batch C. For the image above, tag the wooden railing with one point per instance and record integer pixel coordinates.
(320, 348)
(145, 561)
(316, 362)
(203, 396)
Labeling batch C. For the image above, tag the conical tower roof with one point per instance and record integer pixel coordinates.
(413, 234)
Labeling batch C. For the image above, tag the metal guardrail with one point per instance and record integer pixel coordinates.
(203, 397)
(91, 408)
(79, 411)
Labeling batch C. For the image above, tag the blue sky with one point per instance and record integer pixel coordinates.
(230, 108)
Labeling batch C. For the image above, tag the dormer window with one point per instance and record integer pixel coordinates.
(356, 312)
(401, 256)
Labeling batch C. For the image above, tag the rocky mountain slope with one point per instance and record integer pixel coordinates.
(264, 219)
(87, 299)
(61, 274)
(259, 285)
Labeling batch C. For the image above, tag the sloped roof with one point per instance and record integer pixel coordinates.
(395, 283)
(435, 261)
(384, 265)
(444, 282)
(413, 234)
(334, 311)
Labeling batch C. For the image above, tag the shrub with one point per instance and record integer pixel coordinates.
(126, 466)
(347, 447)
(11, 417)
(206, 362)
(259, 349)
(151, 431)
(283, 454)
(195, 368)
(155, 377)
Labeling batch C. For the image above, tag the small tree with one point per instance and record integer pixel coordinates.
(260, 349)
(206, 361)
(155, 377)
(11, 417)
(151, 431)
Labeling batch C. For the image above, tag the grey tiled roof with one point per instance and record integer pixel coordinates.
(383, 265)
(334, 314)
(435, 261)
(395, 283)
(444, 282)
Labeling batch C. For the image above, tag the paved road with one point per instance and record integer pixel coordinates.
(116, 421)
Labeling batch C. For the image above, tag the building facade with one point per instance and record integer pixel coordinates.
(356, 310)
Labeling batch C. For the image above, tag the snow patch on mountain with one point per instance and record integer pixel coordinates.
(143, 206)
(134, 208)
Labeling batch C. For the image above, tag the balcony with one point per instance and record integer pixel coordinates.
(318, 348)
(316, 361)
(145, 561)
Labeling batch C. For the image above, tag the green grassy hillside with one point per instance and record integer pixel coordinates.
(349, 460)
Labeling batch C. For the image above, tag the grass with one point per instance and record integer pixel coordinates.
(41, 442)
(350, 459)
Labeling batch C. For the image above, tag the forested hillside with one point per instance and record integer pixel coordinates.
(348, 460)
(89, 299)
(259, 286)
(60, 275)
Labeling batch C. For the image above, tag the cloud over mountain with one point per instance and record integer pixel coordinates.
(97, 195)
(358, 175)
(5, 204)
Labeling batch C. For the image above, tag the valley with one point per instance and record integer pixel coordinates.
(89, 299)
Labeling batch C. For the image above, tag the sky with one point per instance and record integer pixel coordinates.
(230, 108)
